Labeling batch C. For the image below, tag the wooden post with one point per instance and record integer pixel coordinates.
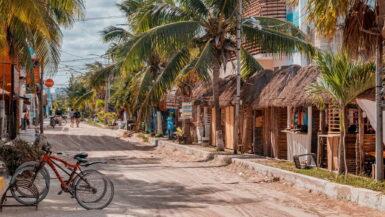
(361, 134)
(274, 131)
(199, 127)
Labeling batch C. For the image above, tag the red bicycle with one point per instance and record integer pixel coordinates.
(92, 189)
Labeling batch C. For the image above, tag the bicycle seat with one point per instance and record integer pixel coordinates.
(81, 157)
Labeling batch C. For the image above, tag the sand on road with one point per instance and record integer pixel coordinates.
(150, 181)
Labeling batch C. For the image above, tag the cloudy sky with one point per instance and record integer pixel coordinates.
(82, 43)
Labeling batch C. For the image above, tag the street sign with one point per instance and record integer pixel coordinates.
(186, 111)
(49, 82)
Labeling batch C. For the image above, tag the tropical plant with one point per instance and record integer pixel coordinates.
(362, 23)
(36, 24)
(341, 81)
(201, 34)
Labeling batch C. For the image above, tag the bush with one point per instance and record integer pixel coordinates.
(17, 152)
(143, 137)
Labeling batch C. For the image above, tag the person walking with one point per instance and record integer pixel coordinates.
(72, 117)
(77, 118)
(26, 119)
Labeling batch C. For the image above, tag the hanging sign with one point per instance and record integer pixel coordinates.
(186, 111)
(49, 82)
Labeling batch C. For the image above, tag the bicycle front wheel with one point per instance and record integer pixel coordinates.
(94, 190)
(41, 181)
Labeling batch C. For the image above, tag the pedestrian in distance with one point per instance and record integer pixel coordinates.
(72, 117)
(77, 118)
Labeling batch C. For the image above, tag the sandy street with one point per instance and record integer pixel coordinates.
(152, 182)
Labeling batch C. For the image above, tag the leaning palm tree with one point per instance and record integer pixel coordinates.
(341, 81)
(36, 24)
(201, 34)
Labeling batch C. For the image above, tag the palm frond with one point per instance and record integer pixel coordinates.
(249, 65)
(197, 7)
(202, 63)
(155, 15)
(276, 36)
(165, 81)
(171, 36)
(115, 34)
(341, 81)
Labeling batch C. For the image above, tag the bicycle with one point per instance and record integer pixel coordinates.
(92, 189)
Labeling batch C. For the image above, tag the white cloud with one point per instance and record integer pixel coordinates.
(84, 38)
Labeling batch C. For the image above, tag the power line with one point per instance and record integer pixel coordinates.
(81, 59)
(99, 18)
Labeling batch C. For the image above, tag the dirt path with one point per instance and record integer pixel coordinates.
(152, 182)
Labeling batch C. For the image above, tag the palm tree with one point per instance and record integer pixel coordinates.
(341, 81)
(201, 34)
(36, 24)
(359, 23)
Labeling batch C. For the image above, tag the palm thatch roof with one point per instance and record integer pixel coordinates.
(294, 93)
(271, 92)
(253, 86)
(287, 87)
(202, 93)
(368, 94)
(283, 87)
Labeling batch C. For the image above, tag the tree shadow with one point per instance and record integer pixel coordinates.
(141, 194)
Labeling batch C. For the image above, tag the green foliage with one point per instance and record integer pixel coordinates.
(341, 80)
(36, 24)
(99, 104)
(352, 180)
(107, 117)
(143, 137)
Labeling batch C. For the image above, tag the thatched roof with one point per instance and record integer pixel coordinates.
(202, 93)
(287, 87)
(270, 93)
(294, 93)
(368, 94)
(283, 87)
(253, 86)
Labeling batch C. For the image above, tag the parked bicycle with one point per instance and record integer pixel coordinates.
(92, 189)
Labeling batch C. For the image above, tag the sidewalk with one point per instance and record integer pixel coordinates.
(29, 134)
(361, 196)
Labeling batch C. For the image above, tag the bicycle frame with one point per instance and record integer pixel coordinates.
(50, 160)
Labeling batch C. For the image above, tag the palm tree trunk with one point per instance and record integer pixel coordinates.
(217, 116)
(342, 149)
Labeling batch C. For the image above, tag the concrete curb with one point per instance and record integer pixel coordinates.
(205, 155)
(360, 196)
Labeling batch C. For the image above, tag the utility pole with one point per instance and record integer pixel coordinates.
(238, 91)
(41, 112)
(379, 94)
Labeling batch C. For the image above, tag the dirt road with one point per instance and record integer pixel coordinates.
(152, 182)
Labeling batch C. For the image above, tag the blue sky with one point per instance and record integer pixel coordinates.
(83, 40)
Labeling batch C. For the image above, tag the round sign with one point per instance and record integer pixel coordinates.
(49, 82)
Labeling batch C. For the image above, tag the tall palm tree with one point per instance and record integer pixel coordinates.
(36, 24)
(201, 34)
(341, 81)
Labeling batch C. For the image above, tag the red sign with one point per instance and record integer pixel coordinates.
(49, 82)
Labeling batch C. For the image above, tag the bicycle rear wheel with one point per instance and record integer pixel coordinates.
(42, 181)
(94, 190)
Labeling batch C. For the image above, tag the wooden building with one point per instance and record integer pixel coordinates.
(286, 122)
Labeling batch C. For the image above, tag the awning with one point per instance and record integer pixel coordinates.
(369, 107)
